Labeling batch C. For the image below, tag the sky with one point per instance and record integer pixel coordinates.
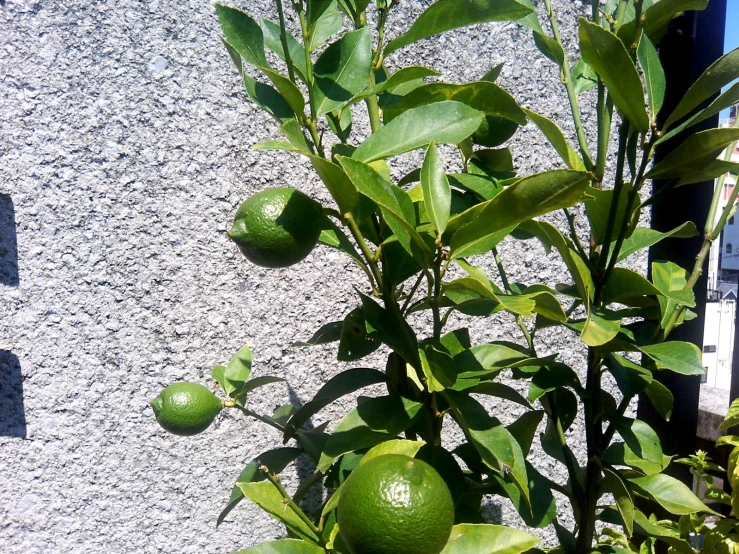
(731, 38)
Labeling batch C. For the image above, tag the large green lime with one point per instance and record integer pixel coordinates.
(186, 408)
(277, 227)
(394, 504)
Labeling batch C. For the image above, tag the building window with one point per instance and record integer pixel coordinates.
(728, 248)
(731, 220)
(708, 348)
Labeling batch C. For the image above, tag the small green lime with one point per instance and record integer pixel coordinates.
(277, 227)
(394, 504)
(186, 408)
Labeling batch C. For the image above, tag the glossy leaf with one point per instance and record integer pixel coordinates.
(654, 75)
(644, 238)
(673, 495)
(530, 197)
(680, 357)
(237, 371)
(289, 91)
(721, 72)
(398, 335)
(661, 398)
(265, 495)
(732, 417)
(500, 390)
(372, 422)
(334, 237)
(284, 546)
(598, 210)
(631, 378)
(327, 24)
(276, 460)
(486, 359)
(273, 41)
(671, 280)
(497, 447)
(355, 341)
(243, 34)
(601, 326)
(549, 47)
(606, 54)
(488, 539)
(484, 96)
(708, 172)
(583, 77)
(445, 15)
(524, 429)
(397, 446)
(622, 496)
(438, 367)
(340, 385)
(437, 195)
(557, 139)
(694, 152)
(342, 71)
(400, 77)
(445, 122)
(625, 285)
(338, 184)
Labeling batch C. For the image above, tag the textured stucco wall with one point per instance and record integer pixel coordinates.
(124, 150)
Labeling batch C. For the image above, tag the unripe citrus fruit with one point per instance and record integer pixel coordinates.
(394, 504)
(186, 408)
(277, 227)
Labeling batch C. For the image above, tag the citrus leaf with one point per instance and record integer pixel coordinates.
(549, 47)
(330, 332)
(355, 341)
(732, 417)
(283, 546)
(237, 371)
(557, 139)
(673, 495)
(484, 96)
(583, 77)
(640, 438)
(276, 145)
(243, 34)
(530, 197)
(338, 184)
(630, 377)
(661, 398)
(265, 495)
(606, 54)
(657, 17)
(397, 334)
(397, 446)
(708, 172)
(670, 536)
(445, 15)
(438, 367)
(677, 356)
(272, 40)
(342, 71)
(372, 422)
(721, 72)
(259, 382)
(621, 494)
(335, 238)
(644, 238)
(488, 539)
(400, 77)
(693, 153)
(500, 390)
(626, 284)
(327, 24)
(598, 211)
(288, 90)
(445, 122)
(276, 460)
(437, 195)
(654, 75)
(671, 280)
(524, 429)
(495, 444)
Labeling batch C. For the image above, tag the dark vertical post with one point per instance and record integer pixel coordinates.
(693, 42)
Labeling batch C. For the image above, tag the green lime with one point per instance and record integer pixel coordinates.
(186, 408)
(277, 227)
(394, 504)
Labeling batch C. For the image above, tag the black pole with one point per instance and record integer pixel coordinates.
(692, 43)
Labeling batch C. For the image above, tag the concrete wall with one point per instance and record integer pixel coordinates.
(124, 151)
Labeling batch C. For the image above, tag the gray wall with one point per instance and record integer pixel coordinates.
(124, 151)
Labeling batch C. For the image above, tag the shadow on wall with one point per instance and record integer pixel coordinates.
(12, 414)
(8, 242)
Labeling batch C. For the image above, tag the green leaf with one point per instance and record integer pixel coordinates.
(273, 41)
(630, 377)
(677, 356)
(640, 438)
(606, 54)
(288, 90)
(654, 75)
(340, 385)
(397, 446)
(343, 70)
(694, 152)
(708, 172)
(583, 77)
(671, 280)
(335, 238)
(445, 122)
(400, 77)
(557, 139)
(644, 238)
(265, 495)
(438, 367)
(732, 417)
(355, 342)
(259, 382)
(524, 429)
(618, 454)
(721, 72)
(237, 371)
(398, 335)
(484, 96)
(488, 359)
(276, 460)
(276, 145)
(530, 197)
(330, 332)
(294, 133)
(500, 390)
(497, 447)
(670, 493)
(622, 495)
(598, 210)
(372, 422)
(243, 34)
(600, 327)
(445, 15)
(488, 539)
(627, 287)
(661, 398)
(549, 47)
(657, 18)
(545, 303)
(326, 25)
(437, 195)
(338, 184)
(283, 546)
(492, 161)
(649, 527)
(394, 201)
